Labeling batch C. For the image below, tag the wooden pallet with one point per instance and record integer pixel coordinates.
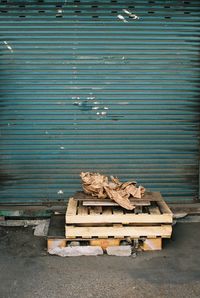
(56, 238)
(102, 222)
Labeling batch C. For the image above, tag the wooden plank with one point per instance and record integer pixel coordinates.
(153, 196)
(117, 226)
(96, 210)
(117, 211)
(71, 208)
(163, 207)
(104, 243)
(106, 211)
(154, 210)
(119, 218)
(54, 243)
(148, 196)
(138, 210)
(112, 203)
(133, 232)
(152, 244)
(82, 210)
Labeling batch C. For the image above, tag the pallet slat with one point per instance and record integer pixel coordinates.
(164, 208)
(125, 231)
(82, 211)
(72, 206)
(96, 210)
(119, 218)
(110, 203)
(107, 211)
(148, 196)
(154, 210)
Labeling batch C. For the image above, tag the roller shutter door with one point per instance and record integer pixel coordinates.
(109, 86)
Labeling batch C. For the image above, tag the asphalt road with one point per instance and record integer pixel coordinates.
(26, 271)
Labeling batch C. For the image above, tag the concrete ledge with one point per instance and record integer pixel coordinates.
(120, 251)
(76, 251)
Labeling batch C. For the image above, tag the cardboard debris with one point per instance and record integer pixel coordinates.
(99, 186)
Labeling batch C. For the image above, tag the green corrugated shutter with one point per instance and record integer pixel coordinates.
(87, 87)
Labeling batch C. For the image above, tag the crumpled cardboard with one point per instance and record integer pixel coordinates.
(100, 186)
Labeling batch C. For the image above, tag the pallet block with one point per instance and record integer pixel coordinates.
(151, 244)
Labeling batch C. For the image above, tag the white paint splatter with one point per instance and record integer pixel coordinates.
(60, 192)
(77, 103)
(8, 46)
(120, 17)
(98, 113)
(90, 97)
(123, 58)
(105, 108)
(130, 14)
(123, 103)
(95, 108)
(61, 147)
(103, 113)
(96, 102)
(8, 124)
(60, 11)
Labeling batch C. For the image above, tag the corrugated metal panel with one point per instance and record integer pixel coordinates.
(87, 87)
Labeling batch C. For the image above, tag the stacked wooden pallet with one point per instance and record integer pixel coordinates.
(103, 225)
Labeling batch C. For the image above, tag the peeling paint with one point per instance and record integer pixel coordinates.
(103, 113)
(60, 192)
(8, 46)
(77, 88)
(77, 103)
(130, 14)
(88, 57)
(123, 103)
(120, 17)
